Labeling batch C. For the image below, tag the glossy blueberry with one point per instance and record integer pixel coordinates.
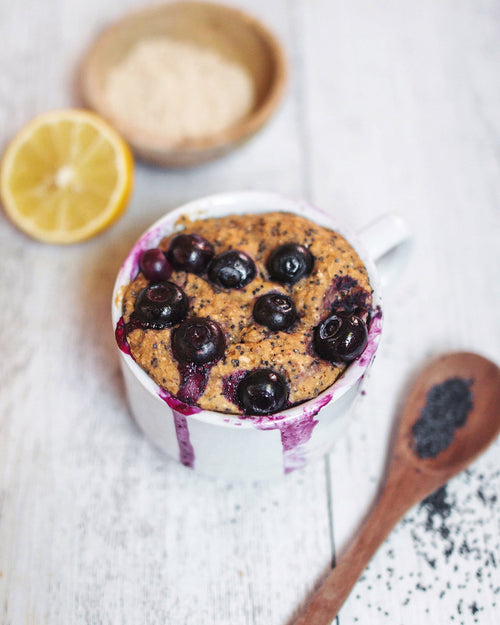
(232, 270)
(154, 265)
(262, 392)
(190, 252)
(198, 340)
(275, 311)
(161, 305)
(340, 338)
(289, 263)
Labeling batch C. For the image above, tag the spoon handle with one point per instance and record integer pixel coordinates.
(328, 599)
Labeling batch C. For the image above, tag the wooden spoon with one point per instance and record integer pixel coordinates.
(411, 478)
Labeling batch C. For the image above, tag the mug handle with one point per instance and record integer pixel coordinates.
(388, 241)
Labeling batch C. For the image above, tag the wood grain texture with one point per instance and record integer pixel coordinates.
(392, 106)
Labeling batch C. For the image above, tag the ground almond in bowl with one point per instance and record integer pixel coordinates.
(178, 91)
(247, 314)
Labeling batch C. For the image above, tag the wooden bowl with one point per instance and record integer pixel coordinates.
(229, 31)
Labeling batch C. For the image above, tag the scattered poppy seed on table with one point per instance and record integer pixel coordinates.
(458, 546)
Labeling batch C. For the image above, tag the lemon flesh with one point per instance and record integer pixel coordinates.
(66, 176)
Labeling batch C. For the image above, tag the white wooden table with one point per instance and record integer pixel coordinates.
(392, 106)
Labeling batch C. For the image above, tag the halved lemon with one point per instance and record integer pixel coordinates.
(66, 176)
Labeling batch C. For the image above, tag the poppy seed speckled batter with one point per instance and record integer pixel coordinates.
(338, 281)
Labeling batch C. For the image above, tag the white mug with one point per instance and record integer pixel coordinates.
(243, 447)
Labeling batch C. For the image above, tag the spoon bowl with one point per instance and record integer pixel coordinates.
(410, 476)
(483, 420)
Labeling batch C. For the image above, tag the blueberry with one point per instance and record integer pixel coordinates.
(154, 265)
(289, 263)
(340, 338)
(232, 270)
(262, 392)
(161, 305)
(190, 252)
(198, 340)
(275, 310)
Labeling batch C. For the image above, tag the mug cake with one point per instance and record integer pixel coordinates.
(247, 314)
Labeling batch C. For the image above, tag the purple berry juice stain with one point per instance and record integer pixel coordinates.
(180, 410)
(294, 435)
(186, 451)
(230, 384)
(177, 404)
(194, 379)
(446, 409)
(374, 332)
(345, 283)
(122, 330)
(345, 295)
(121, 337)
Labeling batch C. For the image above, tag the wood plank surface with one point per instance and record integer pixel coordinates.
(414, 106)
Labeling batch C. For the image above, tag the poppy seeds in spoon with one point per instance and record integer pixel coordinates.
(446, 409)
